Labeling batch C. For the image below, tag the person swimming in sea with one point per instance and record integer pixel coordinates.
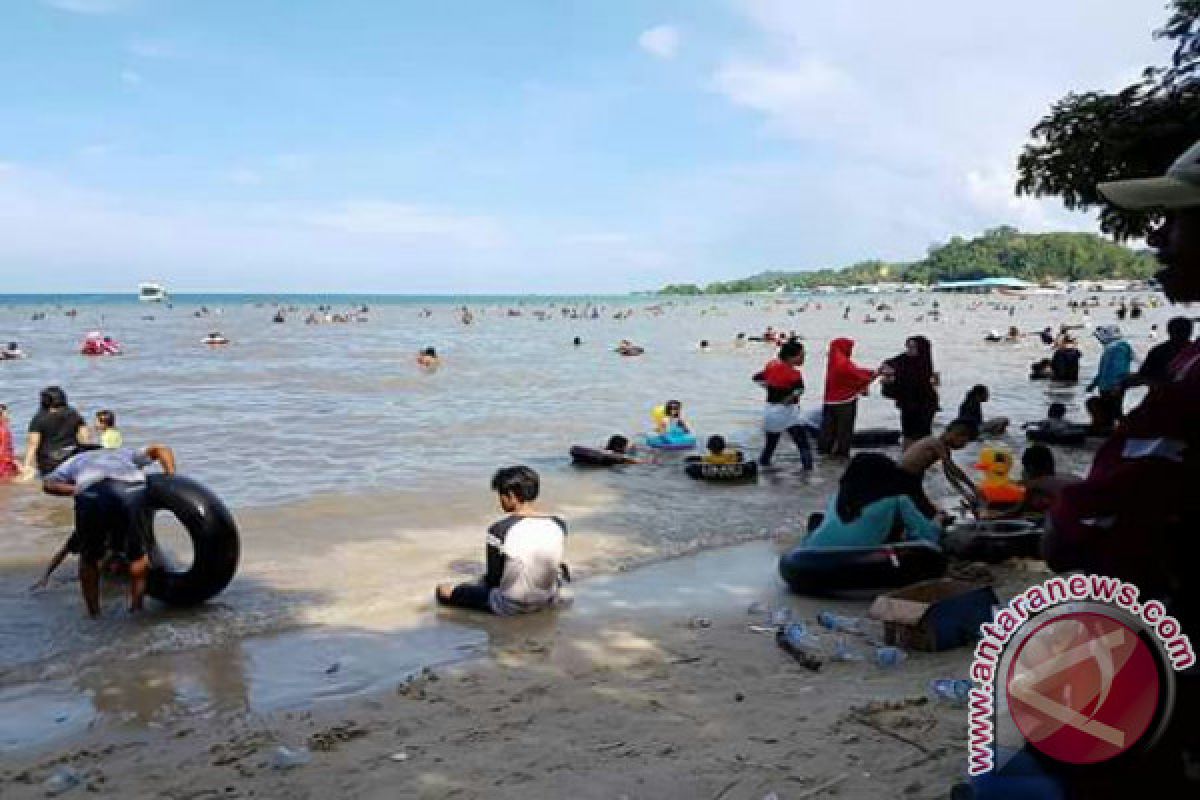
(428, 359)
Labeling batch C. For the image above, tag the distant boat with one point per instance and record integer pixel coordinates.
(151, 292)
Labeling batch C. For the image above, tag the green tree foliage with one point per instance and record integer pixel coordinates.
(1091, 137)
(999, 252)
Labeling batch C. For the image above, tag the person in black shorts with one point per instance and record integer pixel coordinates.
(524, 554)
(107, 485)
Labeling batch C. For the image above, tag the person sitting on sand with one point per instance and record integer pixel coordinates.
(104, 484)
(971, 410)
(924, 453)
(9, 467)
(720, 453)
(428, 359)
(106, 430)
(524, 556)
(872, 507)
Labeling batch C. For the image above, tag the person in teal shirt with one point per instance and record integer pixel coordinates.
(1116, 363)
(871, 508)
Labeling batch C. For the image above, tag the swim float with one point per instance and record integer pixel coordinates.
(216, 546)
(671, 440)
(740, 472)
(97, 344)
(820, 570)
(1073, 436)
(591, 457)
(993, 541)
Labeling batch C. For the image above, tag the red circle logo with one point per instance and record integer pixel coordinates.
(1083, 688)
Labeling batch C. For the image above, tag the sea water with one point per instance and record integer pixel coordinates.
(358, 480)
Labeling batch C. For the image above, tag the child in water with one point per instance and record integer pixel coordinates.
(619, 445)
(106, 430)
(971, 411)
(428, 359)
(719, 453)
(9, 468)
(671, 420)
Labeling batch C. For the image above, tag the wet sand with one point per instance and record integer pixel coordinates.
(652, 686)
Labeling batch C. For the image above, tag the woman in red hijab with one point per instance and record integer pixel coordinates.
(844, 382)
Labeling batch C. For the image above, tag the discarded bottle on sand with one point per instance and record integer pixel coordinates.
(837, 622)
(64, 779)
(284, 757)
(795, 640)
(951, 691)
(887, 657)
(843, 652)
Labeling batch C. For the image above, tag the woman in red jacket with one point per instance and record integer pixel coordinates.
(844, 382)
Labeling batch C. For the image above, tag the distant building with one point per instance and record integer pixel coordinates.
(983, 285)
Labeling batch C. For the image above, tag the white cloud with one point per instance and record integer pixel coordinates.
(791, 91)
(661, 41)
(243, 177)
(406, 221)
(90, 6)
(131, 77)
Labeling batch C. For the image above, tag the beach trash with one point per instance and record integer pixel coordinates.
(781, 616)
(934, 615)
(806, 648)
(838, 622)
(63, 779)
(283, 757)
(954, 692)
(888, 657)
(842, 651)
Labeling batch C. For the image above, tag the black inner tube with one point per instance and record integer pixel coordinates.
(215, 542)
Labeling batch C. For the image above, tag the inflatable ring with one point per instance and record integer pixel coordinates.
(1075, 436)
(214, 535)
(667, 441)
(741, 472)
(591, 457)
(819, 570)
(993, 541)
(874, 437)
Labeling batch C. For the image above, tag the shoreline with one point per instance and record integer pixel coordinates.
(684, 706)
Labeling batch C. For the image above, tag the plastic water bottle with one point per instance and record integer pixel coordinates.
(284, 757)
(801, 645)
(951, 691)
(64, 779)
(888, 657)
(837, 622)
(843, 652)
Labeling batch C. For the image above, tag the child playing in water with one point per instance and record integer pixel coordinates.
(106, 430)
(620, 446)
(428, 359)
(9, 468)
(924, 453)
(524, 559)
(671, 420)
(1056, 420)
(971, 411)
(719, 452)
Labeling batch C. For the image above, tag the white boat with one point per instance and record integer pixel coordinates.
(151, 292)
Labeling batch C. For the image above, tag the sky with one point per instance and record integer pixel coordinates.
(523, 146)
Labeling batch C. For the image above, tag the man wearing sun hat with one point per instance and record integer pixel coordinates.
(1137, 514)
(1139, 502)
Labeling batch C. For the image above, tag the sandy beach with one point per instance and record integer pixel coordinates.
(654, 685)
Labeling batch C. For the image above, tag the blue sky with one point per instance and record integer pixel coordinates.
(521, 146)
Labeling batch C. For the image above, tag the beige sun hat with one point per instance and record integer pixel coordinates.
(1179, 188)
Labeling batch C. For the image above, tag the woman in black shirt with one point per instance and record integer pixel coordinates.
(53, 432)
